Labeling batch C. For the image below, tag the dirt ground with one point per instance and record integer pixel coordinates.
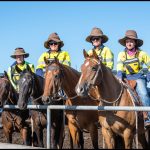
(87, 139)
(17, 139)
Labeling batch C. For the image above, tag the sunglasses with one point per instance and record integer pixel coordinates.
(53, 43)
(95, 38)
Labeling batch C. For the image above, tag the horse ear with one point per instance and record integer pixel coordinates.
(46, 61)
(85, 53)
(95, 54)
(5, 74)
(18, 69)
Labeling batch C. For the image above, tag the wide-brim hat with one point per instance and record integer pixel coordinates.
(97, 32)
(131, 34)
(19, 51)
(53, 37)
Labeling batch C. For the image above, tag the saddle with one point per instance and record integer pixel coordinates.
(137, 100)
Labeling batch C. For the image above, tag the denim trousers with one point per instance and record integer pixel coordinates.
(142, 91)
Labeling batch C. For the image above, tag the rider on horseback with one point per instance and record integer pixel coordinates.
(130, 64)
(20, 55)
(97, 38)
(53, 44)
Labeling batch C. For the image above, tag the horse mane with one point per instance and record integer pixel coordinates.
(13, 97)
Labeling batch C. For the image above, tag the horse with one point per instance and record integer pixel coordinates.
(58, 77)
(110, 91)
(13, 120)
(30, 91)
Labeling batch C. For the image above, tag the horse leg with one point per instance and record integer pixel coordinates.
(109, 137)
(53, 137)
(8, 134)
(75, 134)
(128, 138)
(25, 134)
(71, 140)
(143, 141)
(39, 134)
(94, 135)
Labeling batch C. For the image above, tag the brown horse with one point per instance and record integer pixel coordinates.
(13, 120)
(30, 91)
(59, 76)
(110, 91)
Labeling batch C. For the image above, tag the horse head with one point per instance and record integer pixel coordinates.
(25, 85)
(5, 88)
(91, 74)
(52, 81)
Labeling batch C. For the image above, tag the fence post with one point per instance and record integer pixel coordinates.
(48, 128)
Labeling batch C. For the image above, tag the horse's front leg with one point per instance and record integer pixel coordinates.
(109, 137)
(128, 138)
(26, 135)
(94, 135)
(76, 134)
(8, 134)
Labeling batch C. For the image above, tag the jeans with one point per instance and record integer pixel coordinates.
(40, 72)
(142, 91)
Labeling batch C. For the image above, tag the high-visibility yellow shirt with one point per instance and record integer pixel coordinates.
(14, 76)
(62, 56)
(107, 56)
(125, 62)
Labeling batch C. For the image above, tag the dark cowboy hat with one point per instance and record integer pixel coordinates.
(97, 32)
(53, 37)
(19, 51)
(131, 34)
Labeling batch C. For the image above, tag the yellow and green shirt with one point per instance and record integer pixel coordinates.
(106, 55)
(62, 56)
(14, 76)
(132, 65)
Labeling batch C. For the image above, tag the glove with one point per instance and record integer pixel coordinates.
(40, 72)
(148, 77)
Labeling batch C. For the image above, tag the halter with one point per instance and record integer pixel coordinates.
(60, 85)
(94, 79)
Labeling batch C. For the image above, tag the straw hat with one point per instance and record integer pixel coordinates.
(131, 34)
(53, 37)
(97, 32)
(19, 51)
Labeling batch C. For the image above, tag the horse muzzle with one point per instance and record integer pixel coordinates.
(81, 90)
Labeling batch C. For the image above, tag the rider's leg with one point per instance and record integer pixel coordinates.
(143, 94)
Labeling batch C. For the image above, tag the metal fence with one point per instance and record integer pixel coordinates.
(64, 107)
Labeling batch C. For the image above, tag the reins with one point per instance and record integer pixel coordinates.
(105, 101)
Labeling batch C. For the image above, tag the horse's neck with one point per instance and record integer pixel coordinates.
(13, 96)
(70, 79)
(110, 87)
(37, 89)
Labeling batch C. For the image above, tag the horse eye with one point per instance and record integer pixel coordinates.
(94, 68)
(56, 76)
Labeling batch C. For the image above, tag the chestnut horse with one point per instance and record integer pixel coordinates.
(31, 88)
(13, 120)
(58, 77)
(111, 92)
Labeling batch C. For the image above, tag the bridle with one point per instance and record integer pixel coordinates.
(92, 80)
(56, 95)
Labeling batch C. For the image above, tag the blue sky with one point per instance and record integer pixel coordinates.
(28, 25)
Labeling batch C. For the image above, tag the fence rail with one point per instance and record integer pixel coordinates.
(64, 107)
